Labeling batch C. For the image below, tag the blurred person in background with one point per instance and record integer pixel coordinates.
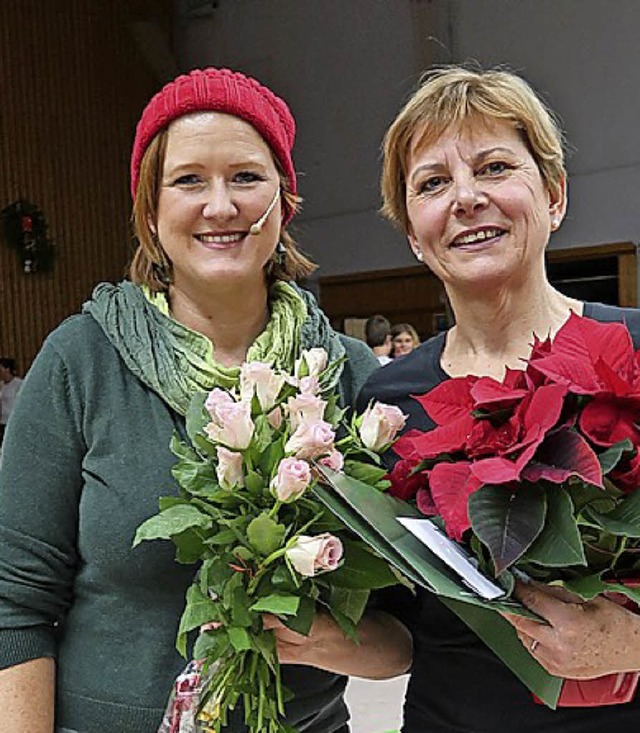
(10, 384)
(377, 331)
(404, 339)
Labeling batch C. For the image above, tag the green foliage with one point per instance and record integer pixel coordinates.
(507, 522)
(170, 523)
(265, 534)
(241, 538)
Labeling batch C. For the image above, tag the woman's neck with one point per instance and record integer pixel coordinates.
(497, 332)
(231, 319)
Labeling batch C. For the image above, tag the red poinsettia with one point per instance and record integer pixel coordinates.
(503, 452)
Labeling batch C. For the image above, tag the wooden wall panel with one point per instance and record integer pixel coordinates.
(72, 85)
(415, 295)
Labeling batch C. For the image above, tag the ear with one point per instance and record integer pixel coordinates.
(558, 204)
(413, 243)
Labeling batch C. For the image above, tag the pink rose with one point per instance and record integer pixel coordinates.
(229, 468)
(260, 379)
(305, 408)
(274, 418)
(311, 363)
(334, 461)
(308, 385)
(217, 398)
(313, 555)
(311, 440)
(380, 425)
(291, 480)
(231, 422)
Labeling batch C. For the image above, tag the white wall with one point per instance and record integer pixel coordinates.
(345, 67)
(584, 56)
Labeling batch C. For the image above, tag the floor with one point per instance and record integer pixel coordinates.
(376, 707)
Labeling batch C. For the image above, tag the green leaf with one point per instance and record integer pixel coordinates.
(303, 619)
(262, 433)
(347, 626)
(189, 546)
(280, 605)
(224, 537)
(507, 522)
(254, 482)
(239, 638)
(559, 544)
(197, 416)
(362, 569)
(623, 520)
(211, 645)
(349, 602)
(199, 610)
(271, 457)
(364, 472)
(609, 458)
(171, 522)
(240, 614)
(265, 534)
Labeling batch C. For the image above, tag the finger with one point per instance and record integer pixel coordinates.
(269, 621)
(544, 604)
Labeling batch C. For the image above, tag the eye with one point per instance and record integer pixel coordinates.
(188, 179)
(246, 177)
(432, 184)
(495, 168)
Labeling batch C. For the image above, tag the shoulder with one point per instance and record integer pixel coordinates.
(416, 373)
(359, 365)
(614, 314)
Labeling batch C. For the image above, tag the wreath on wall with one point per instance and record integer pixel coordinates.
(25, 230)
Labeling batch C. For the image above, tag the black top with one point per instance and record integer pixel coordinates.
(457, 684)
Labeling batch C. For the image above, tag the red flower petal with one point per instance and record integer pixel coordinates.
(451, 485)
(563, 454)
(449, 401)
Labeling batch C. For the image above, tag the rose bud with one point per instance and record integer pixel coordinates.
(334, 461)
(380, 425)
(291, 480)
(231, 425)
(311, 440)
(313, 555)
(260, 379)
(311, 363)
(229, 469)
(305, 408)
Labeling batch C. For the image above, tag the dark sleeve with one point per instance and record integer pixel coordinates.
(40, 484)
(360, 363)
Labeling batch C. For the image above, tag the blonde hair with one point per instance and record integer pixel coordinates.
(448, 97)
(151, 266)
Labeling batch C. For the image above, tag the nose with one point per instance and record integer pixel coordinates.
(469, 197)
(219, 203)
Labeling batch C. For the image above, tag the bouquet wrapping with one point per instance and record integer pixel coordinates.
(264, 543)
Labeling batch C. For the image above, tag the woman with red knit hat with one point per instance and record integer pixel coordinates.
(87, 625)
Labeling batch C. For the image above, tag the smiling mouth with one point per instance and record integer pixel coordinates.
(479, 237)
(220, 240)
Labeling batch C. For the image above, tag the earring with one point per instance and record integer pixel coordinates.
(280, 254)
(555, 223)
(419, 256)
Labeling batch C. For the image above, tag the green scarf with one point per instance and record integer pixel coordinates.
(176, 362)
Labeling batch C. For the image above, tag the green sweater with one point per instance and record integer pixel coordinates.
(85, 458)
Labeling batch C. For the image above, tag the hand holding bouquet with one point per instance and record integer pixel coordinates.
(247, 513)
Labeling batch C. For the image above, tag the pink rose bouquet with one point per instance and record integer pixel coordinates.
(266, 545)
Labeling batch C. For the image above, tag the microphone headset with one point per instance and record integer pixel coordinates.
(256, 228)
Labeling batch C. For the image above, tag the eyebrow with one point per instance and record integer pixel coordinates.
(481, 155)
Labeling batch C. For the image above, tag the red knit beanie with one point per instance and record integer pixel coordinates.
(220, 90)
